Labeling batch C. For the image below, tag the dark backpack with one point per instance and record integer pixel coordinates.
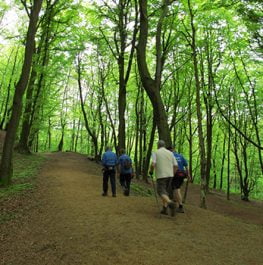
(127, 164)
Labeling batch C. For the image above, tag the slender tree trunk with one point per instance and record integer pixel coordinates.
(253, 110)
(4, 75)
(61, 142)
(152, 86)
(77, 136)
(102, 78)
(6, 168)
(190, 142)
(24, 135)
(49, 134)
(122, 84)
(223, 163)
(137, 131)
(214, 162)
(228, 146)
(87, 125)
(149, 152)
(5, 112)
(73, 136)
(199, 113)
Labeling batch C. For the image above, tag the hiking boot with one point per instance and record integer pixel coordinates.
(164, 211)
(180, 210)
(126, 193)
(171, 205)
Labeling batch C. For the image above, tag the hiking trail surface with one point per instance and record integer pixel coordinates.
(65, 220)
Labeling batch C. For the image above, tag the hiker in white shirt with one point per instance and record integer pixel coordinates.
(165, 166)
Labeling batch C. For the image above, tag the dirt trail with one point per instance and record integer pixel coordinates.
(67, 221)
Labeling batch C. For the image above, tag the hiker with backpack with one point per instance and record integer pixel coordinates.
(109, 162)
(165, 166)
(125, 171)
(178, 179)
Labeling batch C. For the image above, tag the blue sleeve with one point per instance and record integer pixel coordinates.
(103, 160)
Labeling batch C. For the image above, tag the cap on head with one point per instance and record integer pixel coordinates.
(122, 151)
(171, 148)
(161, 143)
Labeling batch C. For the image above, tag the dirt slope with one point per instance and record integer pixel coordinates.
(67, 221)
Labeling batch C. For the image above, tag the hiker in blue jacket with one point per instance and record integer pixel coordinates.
(178, 179)
(109, 162)
(125, 171)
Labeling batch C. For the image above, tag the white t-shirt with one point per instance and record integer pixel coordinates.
(164, 161)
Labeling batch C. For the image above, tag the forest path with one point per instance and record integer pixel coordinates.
(69, 222)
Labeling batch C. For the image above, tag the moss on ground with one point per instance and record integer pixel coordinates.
(25, 169)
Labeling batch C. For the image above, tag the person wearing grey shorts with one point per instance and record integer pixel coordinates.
(165, 166)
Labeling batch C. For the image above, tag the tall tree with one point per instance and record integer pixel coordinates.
(6, 168)
(122, 14)
(35, 85)
(203, 160)
(153, 85)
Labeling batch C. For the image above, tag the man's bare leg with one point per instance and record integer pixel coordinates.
(167, 202)
(179, 200)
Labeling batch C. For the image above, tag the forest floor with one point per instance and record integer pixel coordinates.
(65, 220)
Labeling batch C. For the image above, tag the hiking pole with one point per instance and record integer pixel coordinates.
(155, 193)
(189, 179)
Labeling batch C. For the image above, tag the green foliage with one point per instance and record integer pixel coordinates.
(15, 189)
(141, 190)
(26, 168)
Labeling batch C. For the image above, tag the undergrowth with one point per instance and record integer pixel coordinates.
(141, 190)
(25, 169)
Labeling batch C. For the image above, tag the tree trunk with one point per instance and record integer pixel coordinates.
(214, 162)
(223, 163)
(22, 146)
(61, 142)
(87, 125)
(199, 113)
(5, 116)
(152, 86)
(149, 152)
(122, 84)
(6, 168)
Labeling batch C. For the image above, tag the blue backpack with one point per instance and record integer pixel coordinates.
(127, 164)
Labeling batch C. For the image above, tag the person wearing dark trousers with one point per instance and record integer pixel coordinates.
(125, 171)
(109, 162)
(178, 179)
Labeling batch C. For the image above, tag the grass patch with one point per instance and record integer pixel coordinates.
(25, 169)
(27, 166)
(141, 189)
(15, 189)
